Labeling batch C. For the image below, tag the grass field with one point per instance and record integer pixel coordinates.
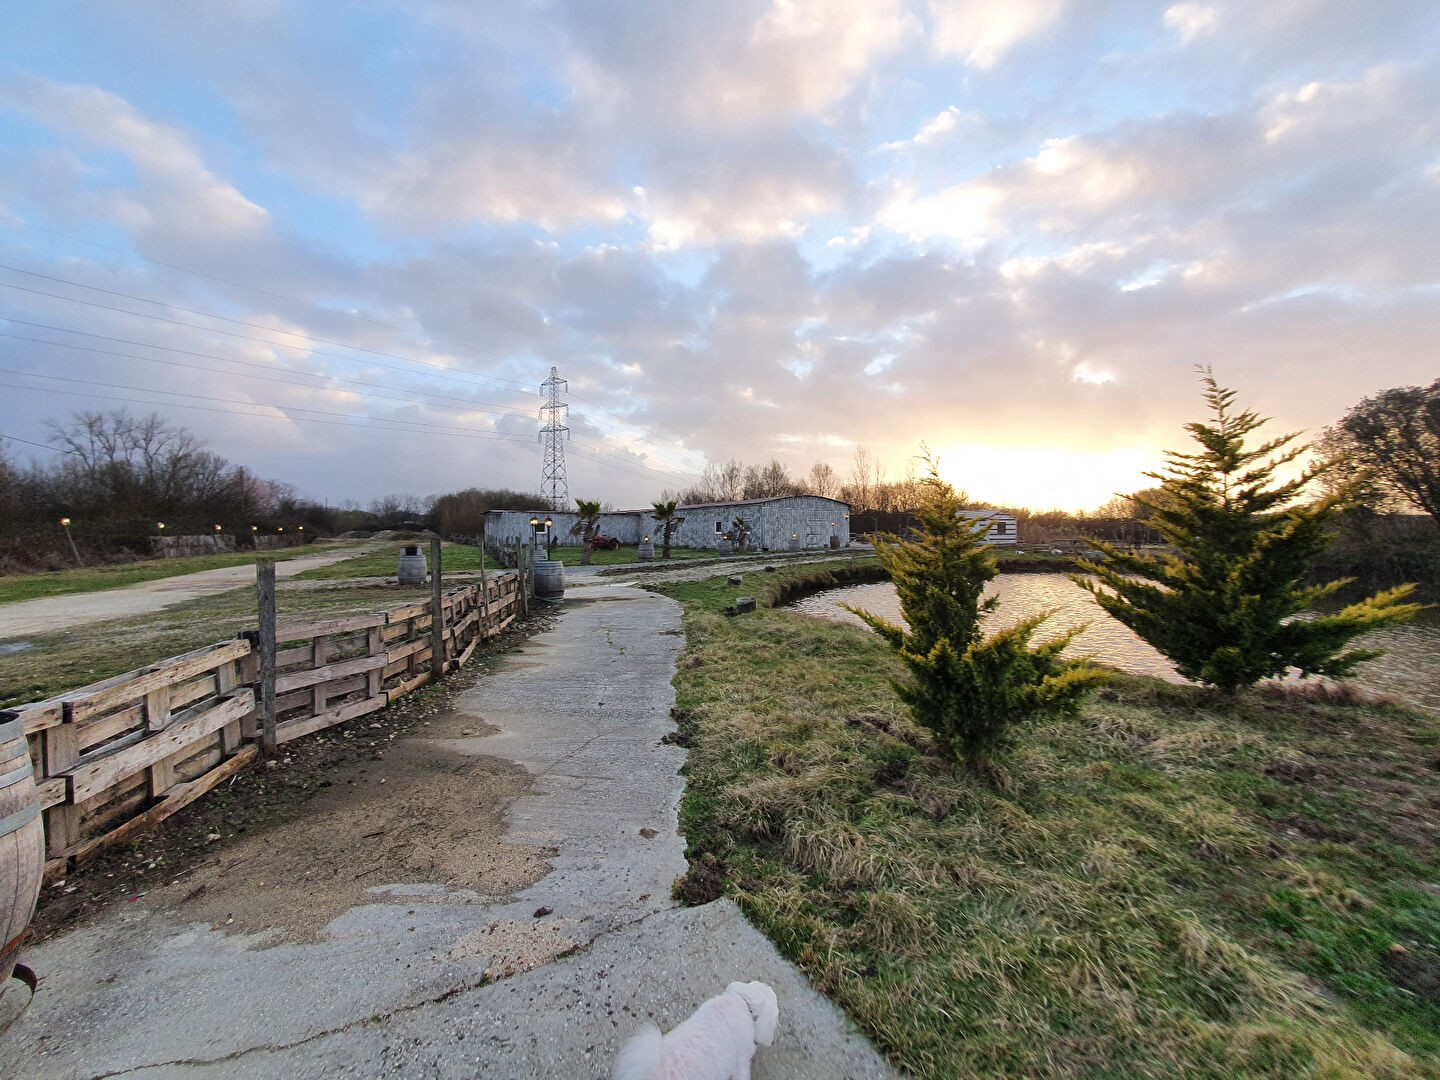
(454, 558)
(94, 579)
(460, 558)
(1171, 884)
(53, 663)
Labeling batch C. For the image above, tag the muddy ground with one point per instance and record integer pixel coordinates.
(297, 841)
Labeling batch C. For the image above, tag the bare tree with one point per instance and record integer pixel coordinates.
(768, 481)
(718, 483)
(124, 465)
(861, 491)
(823, 480)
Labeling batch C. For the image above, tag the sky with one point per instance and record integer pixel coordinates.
(345, 243)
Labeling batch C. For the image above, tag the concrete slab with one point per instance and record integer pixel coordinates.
(429, 981)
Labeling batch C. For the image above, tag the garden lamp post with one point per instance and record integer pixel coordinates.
(536, 528)
(65, 524)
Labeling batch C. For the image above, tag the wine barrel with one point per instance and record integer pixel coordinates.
(412, 568)
(645, 552)
(22, 842)
(549, 578)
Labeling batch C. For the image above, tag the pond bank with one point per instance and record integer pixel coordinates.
(1172, 883)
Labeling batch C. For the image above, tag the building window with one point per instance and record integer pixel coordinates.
(719, 527)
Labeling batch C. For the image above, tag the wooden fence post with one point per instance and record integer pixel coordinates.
(437, 613)
(484, 588)
(520, 569)
(265, 595)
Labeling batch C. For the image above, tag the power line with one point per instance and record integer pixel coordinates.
(443, 402)
(447, 433)
(212, 356)
(244, 337)
(418, 425)
(212, 315)
(41, 445)
(488, 406)
(650, 436)
(235, 284)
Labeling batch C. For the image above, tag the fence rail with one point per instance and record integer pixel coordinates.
(114, 758)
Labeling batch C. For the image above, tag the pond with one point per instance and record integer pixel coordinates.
(1409, 670)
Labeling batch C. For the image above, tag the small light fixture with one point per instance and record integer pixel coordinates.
(645, 540)
(534, 522)
(280, 529)
(548, 523)
(254, 528)
(300, 527)
(160, 524)
(794, 536)
(219, 528)
(65, 522)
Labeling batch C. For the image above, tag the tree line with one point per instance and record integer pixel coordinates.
(118, 476)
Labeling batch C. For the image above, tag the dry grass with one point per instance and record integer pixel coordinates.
(1171, 884)
(53, 663)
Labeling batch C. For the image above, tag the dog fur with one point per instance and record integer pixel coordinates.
(715, 1043)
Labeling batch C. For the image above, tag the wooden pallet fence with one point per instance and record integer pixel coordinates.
(116, 757)
(332, 671)
(107, 752)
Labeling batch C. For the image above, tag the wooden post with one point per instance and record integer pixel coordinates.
(265, 595)
(437, 613)
(484, 589)
(520, 569)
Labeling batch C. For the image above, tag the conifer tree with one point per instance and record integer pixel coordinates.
(1223, 607)
(969, 689)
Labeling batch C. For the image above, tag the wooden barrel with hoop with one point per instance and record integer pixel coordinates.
(22, 842)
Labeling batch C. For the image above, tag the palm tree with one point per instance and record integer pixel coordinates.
(586, 527)
(740, 533)
(666, 516)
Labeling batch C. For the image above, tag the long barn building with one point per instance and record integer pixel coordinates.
(809, 520)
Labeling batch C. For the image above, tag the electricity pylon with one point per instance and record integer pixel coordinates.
(553, 432)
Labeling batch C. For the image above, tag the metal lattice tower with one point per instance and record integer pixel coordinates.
(553, 486)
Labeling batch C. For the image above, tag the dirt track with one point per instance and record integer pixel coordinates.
(337, 814)
(43, 616)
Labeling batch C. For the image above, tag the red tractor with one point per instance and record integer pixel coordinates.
(600, 542)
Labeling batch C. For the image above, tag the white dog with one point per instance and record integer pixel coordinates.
(716, 1043)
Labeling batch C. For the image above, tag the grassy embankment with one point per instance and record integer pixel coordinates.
(98, 578)
(1170, 884)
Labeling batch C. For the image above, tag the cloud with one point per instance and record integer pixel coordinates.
(728, 66)
(983, 33)
(545, 177)
(172, 173)
(1191, 21)
(748, 190)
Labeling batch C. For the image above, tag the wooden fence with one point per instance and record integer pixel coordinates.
(114, 758)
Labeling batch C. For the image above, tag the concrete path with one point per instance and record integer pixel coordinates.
(427, 981)
(26, 617)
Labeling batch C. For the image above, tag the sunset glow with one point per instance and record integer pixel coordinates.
(347, 243)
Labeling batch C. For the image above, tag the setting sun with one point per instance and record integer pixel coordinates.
(1046, 477)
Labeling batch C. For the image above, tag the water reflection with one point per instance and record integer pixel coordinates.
(1410, 669)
